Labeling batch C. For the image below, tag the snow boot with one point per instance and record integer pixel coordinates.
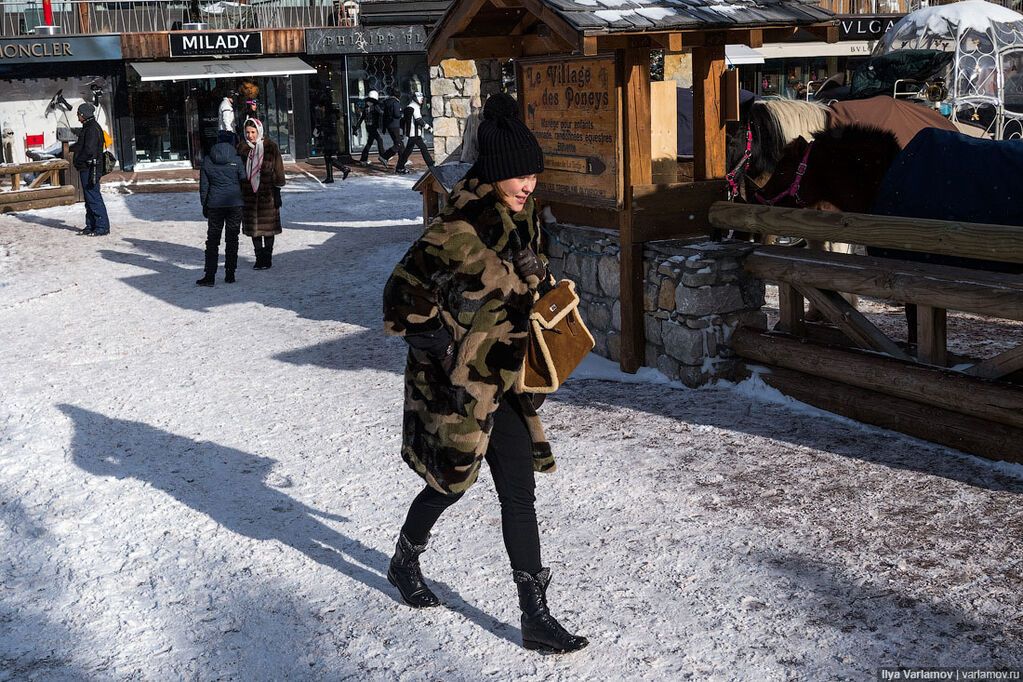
(540, 631)
(206, 281)
(260, 259)
(229, 276)
(405, 574)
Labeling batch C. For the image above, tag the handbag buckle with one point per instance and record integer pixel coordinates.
(554, 307)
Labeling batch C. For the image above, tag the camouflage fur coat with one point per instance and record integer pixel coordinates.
(458, 276)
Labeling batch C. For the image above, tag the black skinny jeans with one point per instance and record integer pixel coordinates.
(410, 146)
(397, 143)
(229, 221)
(373, 135)
(510, 459)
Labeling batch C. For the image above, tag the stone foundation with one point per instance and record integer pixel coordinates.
(695, 295)
(458, 89)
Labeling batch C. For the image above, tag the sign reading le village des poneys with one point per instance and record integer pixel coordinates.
(219, 44)
(571, 106)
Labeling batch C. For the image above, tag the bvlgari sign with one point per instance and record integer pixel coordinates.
(865, 27)
(221, 44)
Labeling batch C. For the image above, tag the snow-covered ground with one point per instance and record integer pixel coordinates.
(204, 484)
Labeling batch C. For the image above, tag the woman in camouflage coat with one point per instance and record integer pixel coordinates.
(461, 298)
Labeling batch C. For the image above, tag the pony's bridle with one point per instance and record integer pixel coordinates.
(741, 167)
(793, 190)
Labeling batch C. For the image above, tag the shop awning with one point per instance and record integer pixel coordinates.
(221, 68)
(737, 55)
(845, 48)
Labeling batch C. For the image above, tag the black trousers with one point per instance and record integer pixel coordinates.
(510, 459)
(374, 136)
(330, 163)
(227, 220)
(397, 142)
(263, 243)
(413, 142)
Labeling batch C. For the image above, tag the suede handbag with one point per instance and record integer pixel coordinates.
(558, 340)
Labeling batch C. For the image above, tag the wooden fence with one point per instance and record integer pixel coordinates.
(851, 367)
(44, 191)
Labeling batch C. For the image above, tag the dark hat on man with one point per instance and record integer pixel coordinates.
(87, 109)
(508, 149)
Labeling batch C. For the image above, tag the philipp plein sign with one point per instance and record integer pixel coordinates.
(228, 43)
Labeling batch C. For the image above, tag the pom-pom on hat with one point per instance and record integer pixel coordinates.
(508, 149)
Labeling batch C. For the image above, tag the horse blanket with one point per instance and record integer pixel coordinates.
(946, 175)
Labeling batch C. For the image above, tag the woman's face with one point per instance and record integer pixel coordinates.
(251, 134)
(515, 191)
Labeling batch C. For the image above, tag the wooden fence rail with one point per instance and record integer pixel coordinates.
(35, 194)
(871, 377)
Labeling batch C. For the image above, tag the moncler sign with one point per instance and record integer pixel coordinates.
(228, 43)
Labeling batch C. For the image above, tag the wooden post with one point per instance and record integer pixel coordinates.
(636, 170)
(708, 121)
(790, 310)
(932, 346)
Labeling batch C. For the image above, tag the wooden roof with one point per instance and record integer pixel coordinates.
(514, 28)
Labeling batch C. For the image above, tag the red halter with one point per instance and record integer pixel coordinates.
(793, 190)
(741, 167)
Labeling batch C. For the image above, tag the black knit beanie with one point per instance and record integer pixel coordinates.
(508, 149)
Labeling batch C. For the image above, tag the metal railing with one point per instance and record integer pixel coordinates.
(84, 17)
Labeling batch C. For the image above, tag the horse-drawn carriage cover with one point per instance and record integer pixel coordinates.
(950, 176)
(905, 119)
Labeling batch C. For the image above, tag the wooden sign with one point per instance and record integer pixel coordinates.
(571, 105)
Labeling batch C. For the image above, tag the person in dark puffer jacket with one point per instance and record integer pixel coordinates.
(221, 194)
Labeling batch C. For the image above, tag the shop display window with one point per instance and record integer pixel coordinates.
(407, 72)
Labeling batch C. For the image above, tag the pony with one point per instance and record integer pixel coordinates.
(860, 169)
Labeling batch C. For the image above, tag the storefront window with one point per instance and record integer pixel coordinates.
(408, 72)
(177, 121)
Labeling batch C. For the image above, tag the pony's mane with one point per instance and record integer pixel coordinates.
(796, 118)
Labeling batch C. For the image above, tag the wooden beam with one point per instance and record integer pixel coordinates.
(570, 34)
(852, 322)
(932, 335)
(34, 166)
(637, 169)
(708, 122)
(983, 293)
(942, 388)
(970, 240)
(674, 211)
(455, 23)
(969, 434)
(1001, 365)
(791, 310)
(32, 199)
(487, 47)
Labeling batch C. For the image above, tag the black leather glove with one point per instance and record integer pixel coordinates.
(537, 399)
(528, 263)
(435, 346)
(277, 197)
(205, 212)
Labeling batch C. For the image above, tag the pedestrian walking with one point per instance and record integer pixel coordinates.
(390, 119)
(220, 190)
(88, 154)
(413, 125)
(461, 298)
(326, 139)
(370, 115)
(261, 191)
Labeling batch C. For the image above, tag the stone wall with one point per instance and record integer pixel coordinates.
(458, 89)
(695, 294)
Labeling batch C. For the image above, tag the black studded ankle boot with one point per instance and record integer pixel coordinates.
(540, 631)
(405, 574)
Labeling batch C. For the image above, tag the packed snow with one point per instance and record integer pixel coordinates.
(205, 484)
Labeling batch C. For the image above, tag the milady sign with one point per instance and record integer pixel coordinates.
(229, 43)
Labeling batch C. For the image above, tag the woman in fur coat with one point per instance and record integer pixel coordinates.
(461, 299)
(264, 170)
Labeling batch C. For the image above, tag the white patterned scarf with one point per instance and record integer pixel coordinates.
(254, 164)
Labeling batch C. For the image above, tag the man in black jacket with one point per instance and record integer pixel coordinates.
(414, 125)
(391, 120)
(88, 154)
(371, 116)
